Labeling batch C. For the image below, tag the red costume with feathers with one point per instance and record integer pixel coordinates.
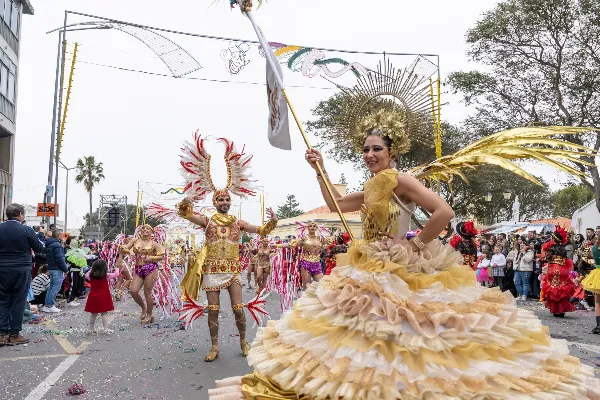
(557, 284)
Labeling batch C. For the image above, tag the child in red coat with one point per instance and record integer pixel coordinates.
(99, 300)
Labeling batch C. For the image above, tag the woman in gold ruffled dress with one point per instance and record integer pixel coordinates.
(402, 319)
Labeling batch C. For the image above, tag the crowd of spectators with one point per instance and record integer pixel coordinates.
(34, 272)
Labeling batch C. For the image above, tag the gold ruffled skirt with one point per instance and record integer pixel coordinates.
(389, 324)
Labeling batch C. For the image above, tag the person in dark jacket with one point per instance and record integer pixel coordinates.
(17, 241)
(57, 267)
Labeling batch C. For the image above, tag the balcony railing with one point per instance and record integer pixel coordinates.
(7, 108)
(9, 36)
(4, 178)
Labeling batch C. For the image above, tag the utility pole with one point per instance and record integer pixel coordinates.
(60, 60)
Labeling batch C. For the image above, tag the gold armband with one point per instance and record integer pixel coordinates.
(264, 230)
(123, 249)
(185, 209)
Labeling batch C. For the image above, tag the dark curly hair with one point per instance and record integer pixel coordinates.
(99, 269)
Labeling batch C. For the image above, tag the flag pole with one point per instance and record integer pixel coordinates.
(269, 56)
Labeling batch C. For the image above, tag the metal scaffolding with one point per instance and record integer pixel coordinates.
(113, 208)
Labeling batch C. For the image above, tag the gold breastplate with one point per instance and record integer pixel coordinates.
(222, 248)
(372, 229)
(222, 241)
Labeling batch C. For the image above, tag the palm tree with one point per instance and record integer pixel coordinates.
(89, 172)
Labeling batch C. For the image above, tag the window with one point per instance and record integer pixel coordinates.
(3, 80)
(14, 19)
(11, 88)
(7, 9)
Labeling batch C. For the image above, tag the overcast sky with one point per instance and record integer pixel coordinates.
(135, 123)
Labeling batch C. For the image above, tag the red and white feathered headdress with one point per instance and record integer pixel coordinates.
(195, 170)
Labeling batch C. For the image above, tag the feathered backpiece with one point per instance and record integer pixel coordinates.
(503, 148)
(255, 242)
(195, 169)
(302, 229)
(159, 211)
(238, 170)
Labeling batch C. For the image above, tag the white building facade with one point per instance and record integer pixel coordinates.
(586, 216)
(11, 12)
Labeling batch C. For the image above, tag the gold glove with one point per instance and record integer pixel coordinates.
(185, 209)
(264, 230)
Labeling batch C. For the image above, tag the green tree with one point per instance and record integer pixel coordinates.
(569, 199)
(89, 172)
(542, 63)
(289, 209)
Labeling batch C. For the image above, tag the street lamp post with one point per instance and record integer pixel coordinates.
(66, 193)
(488, 199)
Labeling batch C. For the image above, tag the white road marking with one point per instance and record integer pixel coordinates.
(589, 347)
(43, 387)
(46, 384)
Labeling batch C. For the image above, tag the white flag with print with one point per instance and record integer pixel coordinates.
(278, 125)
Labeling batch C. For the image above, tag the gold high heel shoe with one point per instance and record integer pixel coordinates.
(143, 315)
(245, 347)
(148, 320)
(212, 355)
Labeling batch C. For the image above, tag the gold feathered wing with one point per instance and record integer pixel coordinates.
(503, 148)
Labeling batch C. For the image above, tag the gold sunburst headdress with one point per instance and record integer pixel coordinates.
(195, 169)
(395, 101)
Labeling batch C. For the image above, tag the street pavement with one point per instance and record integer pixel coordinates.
(162, 361)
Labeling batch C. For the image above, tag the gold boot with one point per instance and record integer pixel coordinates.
(245, 347)
(212, 355)
(213, 328)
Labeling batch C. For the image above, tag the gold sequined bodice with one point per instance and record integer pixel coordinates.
(222, 240)
(381, 213)
(372, 228)
(311, 249)
(142, 250)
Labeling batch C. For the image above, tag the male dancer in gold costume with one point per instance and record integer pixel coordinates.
(217, 266)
